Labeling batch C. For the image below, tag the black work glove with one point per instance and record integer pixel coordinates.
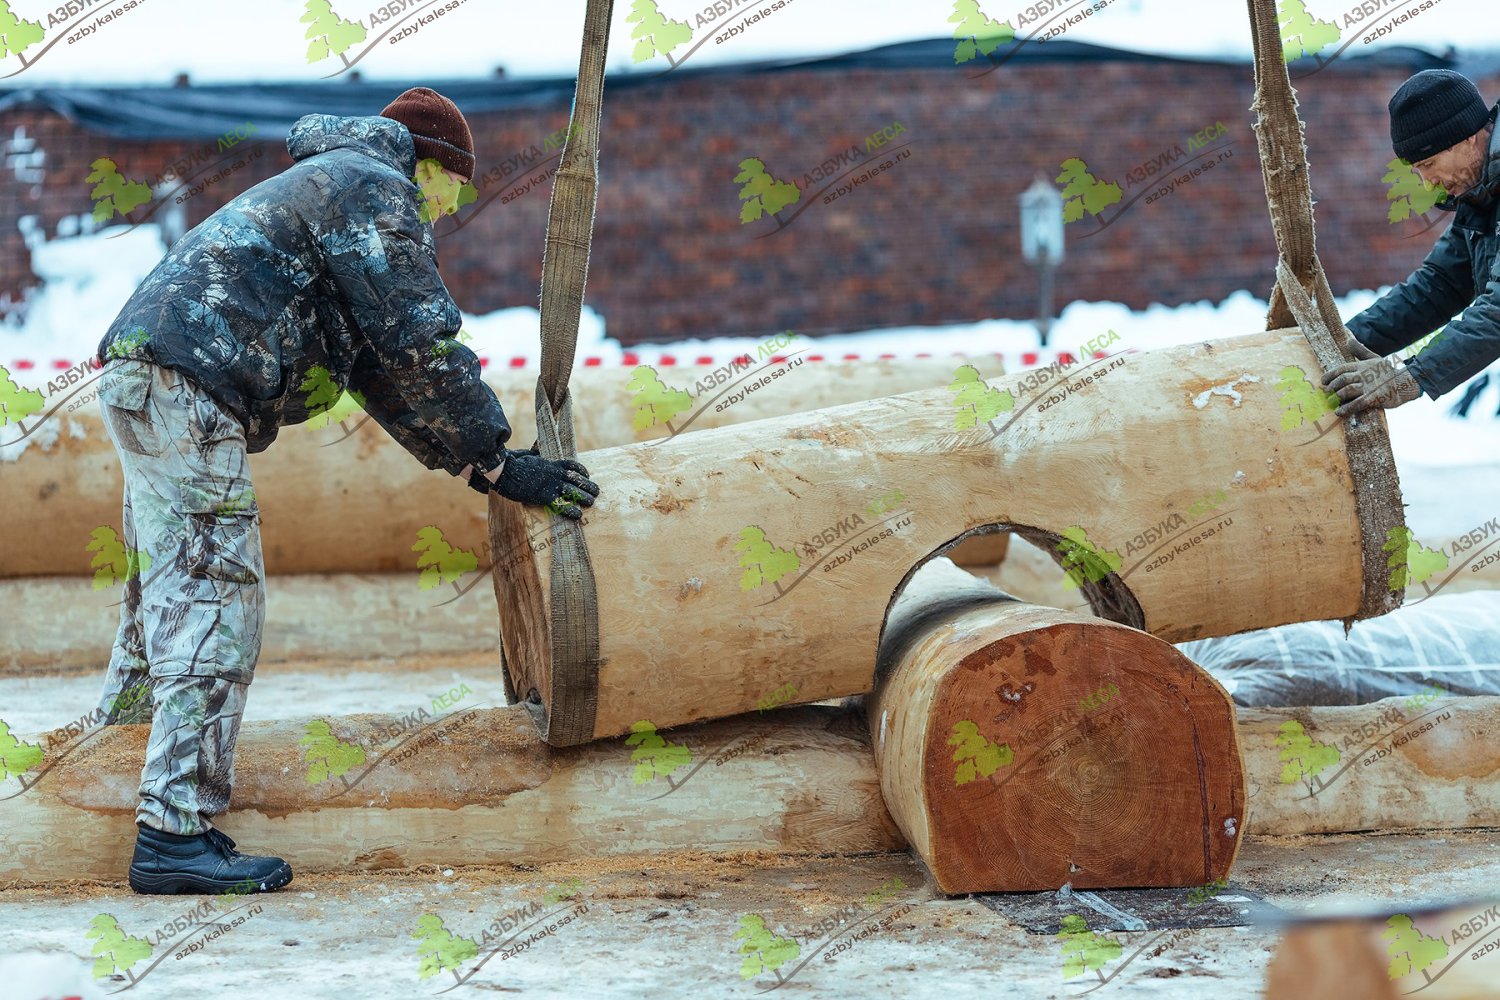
(563, 487)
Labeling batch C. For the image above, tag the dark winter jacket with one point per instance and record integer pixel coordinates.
(325, 266)
(1462, 273)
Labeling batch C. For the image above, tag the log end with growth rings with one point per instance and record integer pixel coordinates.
(1021, 748)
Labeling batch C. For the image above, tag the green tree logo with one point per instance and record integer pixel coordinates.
(440, 562)
(113, 194)
(114, 952)
(1084, 561)
(131, 706)
(441, 194)
(1083, 950)
(654, 756)
(1301, 33)
(331, 35)
(439, 950)
(113, 563)
(1301, 401)
(17, 402)
(326, 755)
(1085, 193)
(762, 193)
(1410, 562)
(16, 756)
(976, 402)
(235, 505)
(327, 403)
(443, 346)
(137, 338)
(763, 951)
(654, 33)
(1408, 194)
(655, 402)
(976, 756)
(16, 34)
(763, 562)
(1302, 756)
(1409, 949)
(977, 34)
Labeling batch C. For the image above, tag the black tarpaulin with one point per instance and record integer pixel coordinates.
(209, 111)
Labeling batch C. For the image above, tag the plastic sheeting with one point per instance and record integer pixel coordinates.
(1449, 642)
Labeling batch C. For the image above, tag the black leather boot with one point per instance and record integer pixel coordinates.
(166, 863)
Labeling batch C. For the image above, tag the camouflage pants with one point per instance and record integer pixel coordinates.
(190, 623)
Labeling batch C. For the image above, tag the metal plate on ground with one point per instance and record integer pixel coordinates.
(1134, 909)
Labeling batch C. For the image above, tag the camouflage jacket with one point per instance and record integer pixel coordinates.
(321, 278)
(1462, 273)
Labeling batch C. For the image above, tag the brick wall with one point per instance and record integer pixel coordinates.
(935, 240)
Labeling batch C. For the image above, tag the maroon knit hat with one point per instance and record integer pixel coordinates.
(437, 128)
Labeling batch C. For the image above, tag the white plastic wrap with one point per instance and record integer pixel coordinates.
(1450, 642)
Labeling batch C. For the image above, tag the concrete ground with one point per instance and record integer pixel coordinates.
(657, 926)
(666, 927)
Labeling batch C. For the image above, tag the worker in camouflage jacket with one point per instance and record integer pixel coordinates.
(324, 275)
(1440, 125)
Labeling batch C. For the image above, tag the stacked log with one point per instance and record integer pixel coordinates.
(344, 497)
(465, 785)
(1180, 490)
(461, 785)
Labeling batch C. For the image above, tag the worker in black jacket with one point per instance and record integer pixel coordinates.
(1441, 125)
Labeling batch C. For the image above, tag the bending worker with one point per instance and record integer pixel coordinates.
(1441, 125)
(324, 274)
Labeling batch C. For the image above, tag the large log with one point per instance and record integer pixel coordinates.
(1031, 574)
(1021, 748)
(1397, 764)
(333, 501)
(478, 788)
(490, 792)
(723, 559)
(61, 623)
(1445, 953)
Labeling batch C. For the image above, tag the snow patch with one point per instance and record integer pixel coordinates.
(33, 974)
(86, 281)
(44, 435)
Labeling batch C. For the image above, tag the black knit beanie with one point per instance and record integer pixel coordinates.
(1433, 111)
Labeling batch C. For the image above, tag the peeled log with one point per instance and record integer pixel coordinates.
(485, 791)
(793, 780)
(723, 560)
(60, 623)
(981, 550)
(1359, 767)
(332, 503)
(1021, 747)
